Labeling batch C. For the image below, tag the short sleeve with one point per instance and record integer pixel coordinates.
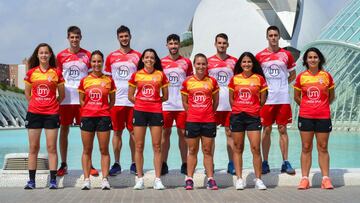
(297, 84)
(215, 85)
(165, 81)
(263, 84)
(231, 84)
(88, 61)
(61, 79)
(331, 81)
(184, 89)
(132, 81)
(189, 70)
(81, 86)
(291, 62)
(58, 63)
(107, 69)
(113, 87)
(27, 78)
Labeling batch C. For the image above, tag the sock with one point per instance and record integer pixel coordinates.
(32, 174)
(209, 178)
(116, 162)
(53, 174)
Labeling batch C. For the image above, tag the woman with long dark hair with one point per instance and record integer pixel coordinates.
(42, 82)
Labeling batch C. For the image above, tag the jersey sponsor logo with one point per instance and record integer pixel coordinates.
(173, 77)
(43, 90)
(313, 93)
(95, 94)
(222, 77)
(244, 94)
(74, 71)
(273, 70)
(199, 97)
(148, 90)
(123, 72)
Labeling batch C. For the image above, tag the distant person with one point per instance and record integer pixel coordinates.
(176, 68)
(247, 94)
(42, 82)
(74, 64)
(279, 69)
(120, 65)
(314, 92)
(97, 96)
(221, 67)
(151, 87)
(200, 97)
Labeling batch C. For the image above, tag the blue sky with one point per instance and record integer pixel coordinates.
(24, 24)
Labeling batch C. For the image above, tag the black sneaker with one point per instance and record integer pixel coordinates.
(184, 168)
(164, 169)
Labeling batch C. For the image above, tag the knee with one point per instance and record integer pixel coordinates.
(157, 148)
(255, 150)
(87, 150)
(282, 129)
(139, 147)
(207, 151)
(322, 147)
(306, 148)
(238, 148)
(104, 150)
(192, 150)
(34, 149)
(51, 149)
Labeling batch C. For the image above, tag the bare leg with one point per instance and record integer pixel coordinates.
(266, 142)
(238, 138)
(34, 146)
(156, 133)
(139, 134)
(206, 145)
(165, 144)
(182, 144)
(284, 141)
(104, 139)
(322, 140)
(51, 145)
(88, 141)
(117, 144)
(254, 139)
(64, 133)
(307, 144)
(193, 149)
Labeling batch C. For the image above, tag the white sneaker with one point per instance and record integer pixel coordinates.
(105, 185)
(158, 184)
(86, 185)
(259, 184)
(139, 183)
(240, 184)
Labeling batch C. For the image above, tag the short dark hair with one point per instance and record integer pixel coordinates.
(320, 55)
(272, 27)
(174, 37)
(256, 65)
(122, 29)
(157, 64)
(199, 55)
(34, 60)
(73, 29)
(222, 35)
(97, 52)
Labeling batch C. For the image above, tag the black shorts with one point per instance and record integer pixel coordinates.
(142, 118)
(36, 121)
(244, 122)
(314, 125)
(195, 129)
(95, 124)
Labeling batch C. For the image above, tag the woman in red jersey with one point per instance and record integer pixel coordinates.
(97, 96)
(247, 94)
(314, 92)
(200, 97)
(149, 81)
(42, 82)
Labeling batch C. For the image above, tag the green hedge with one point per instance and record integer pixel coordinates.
(11, 89)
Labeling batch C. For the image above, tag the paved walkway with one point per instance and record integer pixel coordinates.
(178, 194)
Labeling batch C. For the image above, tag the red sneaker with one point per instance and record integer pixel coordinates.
(62, 170)
(304, 184)
(326, 184)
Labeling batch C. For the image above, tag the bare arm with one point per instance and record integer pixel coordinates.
(231, 97)
(131, 93)
(263, 96)
(112, 99)
(185, 101)
(331, 95)
(292, 76)
(61, 91)
(215, 98)
(27, 91)
(82, 99)
(297, 96)
(165, 93)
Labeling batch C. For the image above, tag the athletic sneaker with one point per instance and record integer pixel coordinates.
(189, 184)
(326, 183)
(286, 168)
(133, 169)
(30, 185)
(115, 169)
(139, 183)
(265, 168)
(240, 184)
(231, 168)
(62, 170)
(211, 184)
(304, 184)
(164, 169)
(105, 185)
(53, 184)
(259, 184)
(86, 185)
(93, 171)
(158, 184)
(183, 169)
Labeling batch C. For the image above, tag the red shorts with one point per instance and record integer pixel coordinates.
(121, 116)
(223, 118)
(281, 113)
(178, 116)
(68, 113)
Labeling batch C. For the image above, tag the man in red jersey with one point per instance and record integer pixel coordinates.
(74, 63)
(221, 67)
(121, 64)
(279, 69)
(176, 68)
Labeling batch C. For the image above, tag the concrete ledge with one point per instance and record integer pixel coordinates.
(340, 177)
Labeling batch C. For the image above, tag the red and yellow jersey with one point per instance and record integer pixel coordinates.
(43, 90)
(148, 86)
(121, 66)
(246, 92)
(200, 102)
(96, 90)
(74, 67)
(176, 71)
(314, 94)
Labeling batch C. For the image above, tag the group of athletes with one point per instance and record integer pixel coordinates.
(136, 91)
